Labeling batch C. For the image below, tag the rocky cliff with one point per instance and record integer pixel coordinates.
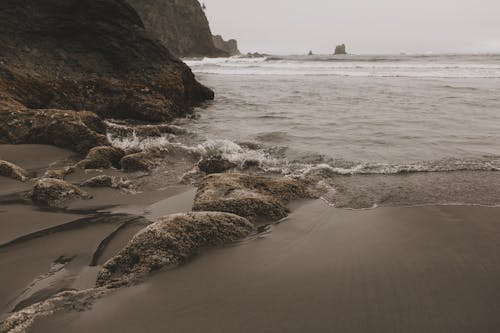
(62, 57)
(180, 24)
(230, 46)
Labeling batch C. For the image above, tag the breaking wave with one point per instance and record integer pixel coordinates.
(356, 66)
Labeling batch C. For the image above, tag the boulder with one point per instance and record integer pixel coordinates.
(93, 121)
(106, 181)
(60, 128)
(215, 164)
(144, 131)
(58, 173)
(340, 49)
(251, 196)
(56, 192)
(170, 241)
(103, 157)
(13, 171)
(142, 161)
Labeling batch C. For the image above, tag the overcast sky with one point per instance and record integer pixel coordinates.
(366, 26)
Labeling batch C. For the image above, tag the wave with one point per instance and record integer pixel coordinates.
(356, 66)
(271, 158)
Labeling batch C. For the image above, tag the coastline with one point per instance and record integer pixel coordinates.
(289, 205)
(391, 269)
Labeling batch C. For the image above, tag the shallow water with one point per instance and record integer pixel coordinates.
(396, 109)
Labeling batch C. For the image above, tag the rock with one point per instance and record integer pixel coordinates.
(103, 157)
(256, 55)
(170, 241)
(60, 128)
(215, 164)
(340, 49)
(62, 56)
(56, 192)
(250, 164)
(92, 121)
(13, 171)
(310, 53)
(58, 173)
(72, 300)
(180, 25)
(99, 181)
(144, 131)
(143, 161)
(251, 196)
(230, 46)
(106, 181)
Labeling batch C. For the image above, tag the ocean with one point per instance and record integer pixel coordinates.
(434, 119)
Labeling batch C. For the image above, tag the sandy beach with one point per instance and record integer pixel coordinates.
(415, 269)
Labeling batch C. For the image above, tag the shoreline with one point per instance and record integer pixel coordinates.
(392, 269)
(71, 253)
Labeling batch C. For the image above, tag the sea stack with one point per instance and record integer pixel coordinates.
(340, 49)
(230, 46)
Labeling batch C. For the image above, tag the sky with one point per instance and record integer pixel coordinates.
(365, 26)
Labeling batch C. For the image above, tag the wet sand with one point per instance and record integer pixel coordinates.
(413, 269)
(47, 250)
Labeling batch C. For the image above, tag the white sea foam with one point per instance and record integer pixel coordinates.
(349, 66)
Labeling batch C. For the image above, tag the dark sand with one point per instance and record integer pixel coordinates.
(417, 269)
(44, 251)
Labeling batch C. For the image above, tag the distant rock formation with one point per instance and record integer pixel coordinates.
(310, 53)
(181, 25)
(64, 64)
(340, 49)
(230, 46)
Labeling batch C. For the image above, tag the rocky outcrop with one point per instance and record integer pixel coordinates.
(251, 196)
(170, 241)
(62, 128)
(76, 300)
(56, 193)
(59, 173)
(142, 161)
(215, 164)
(181, 25)
(230, 46)
(103, 157)
(62, 56)
(13, 171)
(107, 181)
(340, 50)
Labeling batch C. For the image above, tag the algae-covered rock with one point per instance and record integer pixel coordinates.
(61, 128)
(107, 181)
(215, 165)
(142, 161)
(103, 157)
(56, 192)
(13, 171)
(251, 196)
(59, 173)
(170, 241)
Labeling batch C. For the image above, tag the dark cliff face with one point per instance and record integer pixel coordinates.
(92, 55)
(181, 25)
